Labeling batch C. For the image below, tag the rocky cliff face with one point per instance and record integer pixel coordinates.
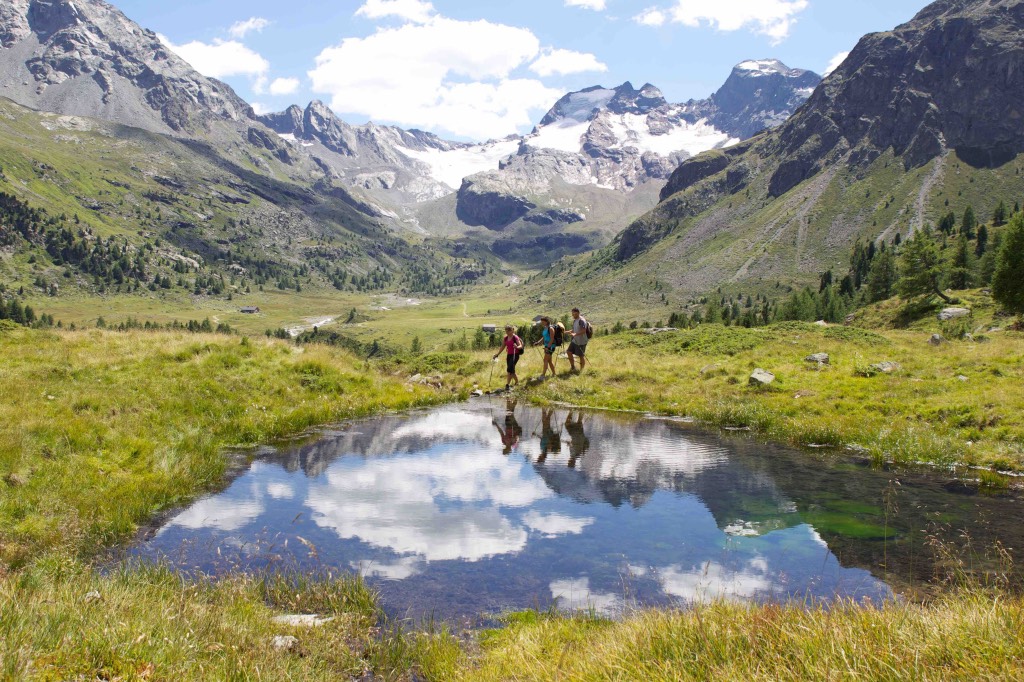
(889, 140)
(948, 79)
(86, 58)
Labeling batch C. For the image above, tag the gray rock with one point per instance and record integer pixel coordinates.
(761, 377)
(953, 314)
(284, 642)
(962, 378)
(92, 596)
(821, 358)
(821, 323)
(306, 620)
(937, 340)
(886, 367)
(477, 394)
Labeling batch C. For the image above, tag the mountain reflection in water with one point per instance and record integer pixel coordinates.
(492, 505)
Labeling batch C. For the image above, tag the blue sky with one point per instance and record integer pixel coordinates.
(482, 69)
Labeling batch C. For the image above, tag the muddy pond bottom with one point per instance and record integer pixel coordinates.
(474, 509)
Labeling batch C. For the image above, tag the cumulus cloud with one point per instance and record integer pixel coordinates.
(445, 74)
(284, 86)
(221, 58)
(260, 108)
(564, 62)
(771, 18)
(651, 17)
(596, 5)
(240, 29)
(416, 11)
(836, 61)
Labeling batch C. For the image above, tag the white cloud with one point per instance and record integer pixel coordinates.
(260, 109)
(284, 86)
(772, 18)
(575, 595)
(836, 61)
(564, 62)
(596, 5)
(446, 75)
(416, 11)
(242, 28)
(221, 58)
(553, 525)
(651, 17)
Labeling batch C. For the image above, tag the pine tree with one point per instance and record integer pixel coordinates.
(1008, 279)
(921, 267)
(999, 214)
(979, 249)
(882, 278)
(960, 274)
(969, 223)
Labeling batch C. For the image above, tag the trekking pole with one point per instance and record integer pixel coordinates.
(490, 379)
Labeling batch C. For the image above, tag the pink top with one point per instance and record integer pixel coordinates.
(511, 343)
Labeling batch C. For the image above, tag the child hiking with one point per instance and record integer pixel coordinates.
(513, 346)
(547, 339)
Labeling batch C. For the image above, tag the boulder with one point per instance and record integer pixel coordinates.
(937, 340)
(761, 377)
(284, 642)
(820, 358)
(953, 314)
(886, 367)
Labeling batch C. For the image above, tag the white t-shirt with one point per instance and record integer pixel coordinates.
(579, 331)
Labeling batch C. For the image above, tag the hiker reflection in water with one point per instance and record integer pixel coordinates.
(578, 441)
(550, 441)
(512, 432)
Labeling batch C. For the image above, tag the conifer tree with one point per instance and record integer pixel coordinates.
(1008, 279)
(921, 267)
(968, 223)
(960, 274)
(999, 214)
(882, 278)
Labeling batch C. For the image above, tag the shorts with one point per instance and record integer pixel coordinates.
(578, 351)
(510, 363)
(550, 350)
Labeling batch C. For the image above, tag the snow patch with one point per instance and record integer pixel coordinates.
(581, 105)
(762, 66)
(287, 136)
(632, 130)
(565, 136)
(452, 165)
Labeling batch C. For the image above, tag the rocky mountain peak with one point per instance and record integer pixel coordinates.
(947, 80)
(84, 57)
(760, 94)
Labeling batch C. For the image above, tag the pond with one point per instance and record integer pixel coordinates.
(489, 506)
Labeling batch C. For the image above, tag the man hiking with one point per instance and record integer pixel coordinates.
(513, 346)
(581, 333)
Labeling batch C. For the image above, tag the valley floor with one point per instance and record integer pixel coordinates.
(102, 431)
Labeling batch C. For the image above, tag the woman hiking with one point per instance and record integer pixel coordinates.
(547, 338)
(513, 351)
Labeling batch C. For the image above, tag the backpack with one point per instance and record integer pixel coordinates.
(558, 335)
(590, 331)
(518, 350)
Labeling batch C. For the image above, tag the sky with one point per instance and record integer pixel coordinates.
(486, 69)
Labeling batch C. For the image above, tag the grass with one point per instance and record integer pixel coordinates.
(108, 429)
(966, 636)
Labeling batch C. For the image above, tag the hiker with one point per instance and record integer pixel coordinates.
(547, 338)
(581, 333)
(513, 346)
(578, 441)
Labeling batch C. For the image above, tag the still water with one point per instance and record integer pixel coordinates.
(483, 507)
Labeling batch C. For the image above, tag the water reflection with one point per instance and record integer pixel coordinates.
(490, 506)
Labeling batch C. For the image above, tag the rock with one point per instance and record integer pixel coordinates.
(707, 369)
(761, 377)
(307, 620)
(886, 367)
(937, 340)
(962, 378)
(804, 394)
(821, 323)
(93, 596)
(662, 330)
(953, 314)
(284, 642)
(415, 378)
(820, 358)
(477, 394)
(967, 337)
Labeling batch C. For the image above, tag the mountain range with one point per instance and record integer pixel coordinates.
(769, 180)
